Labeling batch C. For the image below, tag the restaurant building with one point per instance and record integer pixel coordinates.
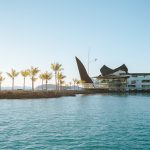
(118, 79)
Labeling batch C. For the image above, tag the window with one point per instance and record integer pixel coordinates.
(131, 85)
(133, 82)
(145, 81)
(146, 86)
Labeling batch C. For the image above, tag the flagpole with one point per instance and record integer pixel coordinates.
(88, 61)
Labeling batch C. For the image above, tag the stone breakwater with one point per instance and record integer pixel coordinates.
(21, 94)
(33, 94)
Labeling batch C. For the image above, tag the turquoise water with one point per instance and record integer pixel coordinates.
(77, 123)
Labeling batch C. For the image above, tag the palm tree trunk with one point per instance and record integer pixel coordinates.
(56, 79)
(24, 84)
(46, 85)
(42, 85)
(12, 83)
(58, 83)
(0, 86)
(60, 86)
(32, 85)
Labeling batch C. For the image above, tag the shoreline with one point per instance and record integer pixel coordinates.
(16, 94)
(20, 94)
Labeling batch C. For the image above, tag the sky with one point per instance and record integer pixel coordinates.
(40, 32)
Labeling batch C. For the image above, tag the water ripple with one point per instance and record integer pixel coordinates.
(77, 123)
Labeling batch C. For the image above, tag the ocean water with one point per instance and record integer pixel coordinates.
(85, 122)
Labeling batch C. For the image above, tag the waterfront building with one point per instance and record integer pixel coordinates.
(118, 79)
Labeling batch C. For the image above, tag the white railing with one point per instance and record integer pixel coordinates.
(95, 86)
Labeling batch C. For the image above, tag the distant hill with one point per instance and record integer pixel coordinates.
(53, 87)
(50, 87)
(16, 88)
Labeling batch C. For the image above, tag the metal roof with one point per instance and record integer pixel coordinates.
(107, 71)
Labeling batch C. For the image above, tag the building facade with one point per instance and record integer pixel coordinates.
(118, 79)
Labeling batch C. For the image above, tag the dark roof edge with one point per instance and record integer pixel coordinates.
(107, 71)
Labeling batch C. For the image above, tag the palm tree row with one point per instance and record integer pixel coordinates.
(33, 72)
(45, 77)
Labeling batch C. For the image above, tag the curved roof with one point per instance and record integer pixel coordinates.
(107, 71)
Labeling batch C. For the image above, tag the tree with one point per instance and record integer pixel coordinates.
(13, 73)
(33, 72)
(1, 80)
(41, 76)
(25, 73)
(62, 82)
(60, 78)
(56, 67)
(47, 76)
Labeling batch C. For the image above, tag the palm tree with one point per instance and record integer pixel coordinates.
(41, 76)
(33, 79)
(47, 76)
(74, 82)
(1, 80)
(25, 73)
(13, 73)
(62, 82)
(60, 78)
(56, 67)
(33, 72)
